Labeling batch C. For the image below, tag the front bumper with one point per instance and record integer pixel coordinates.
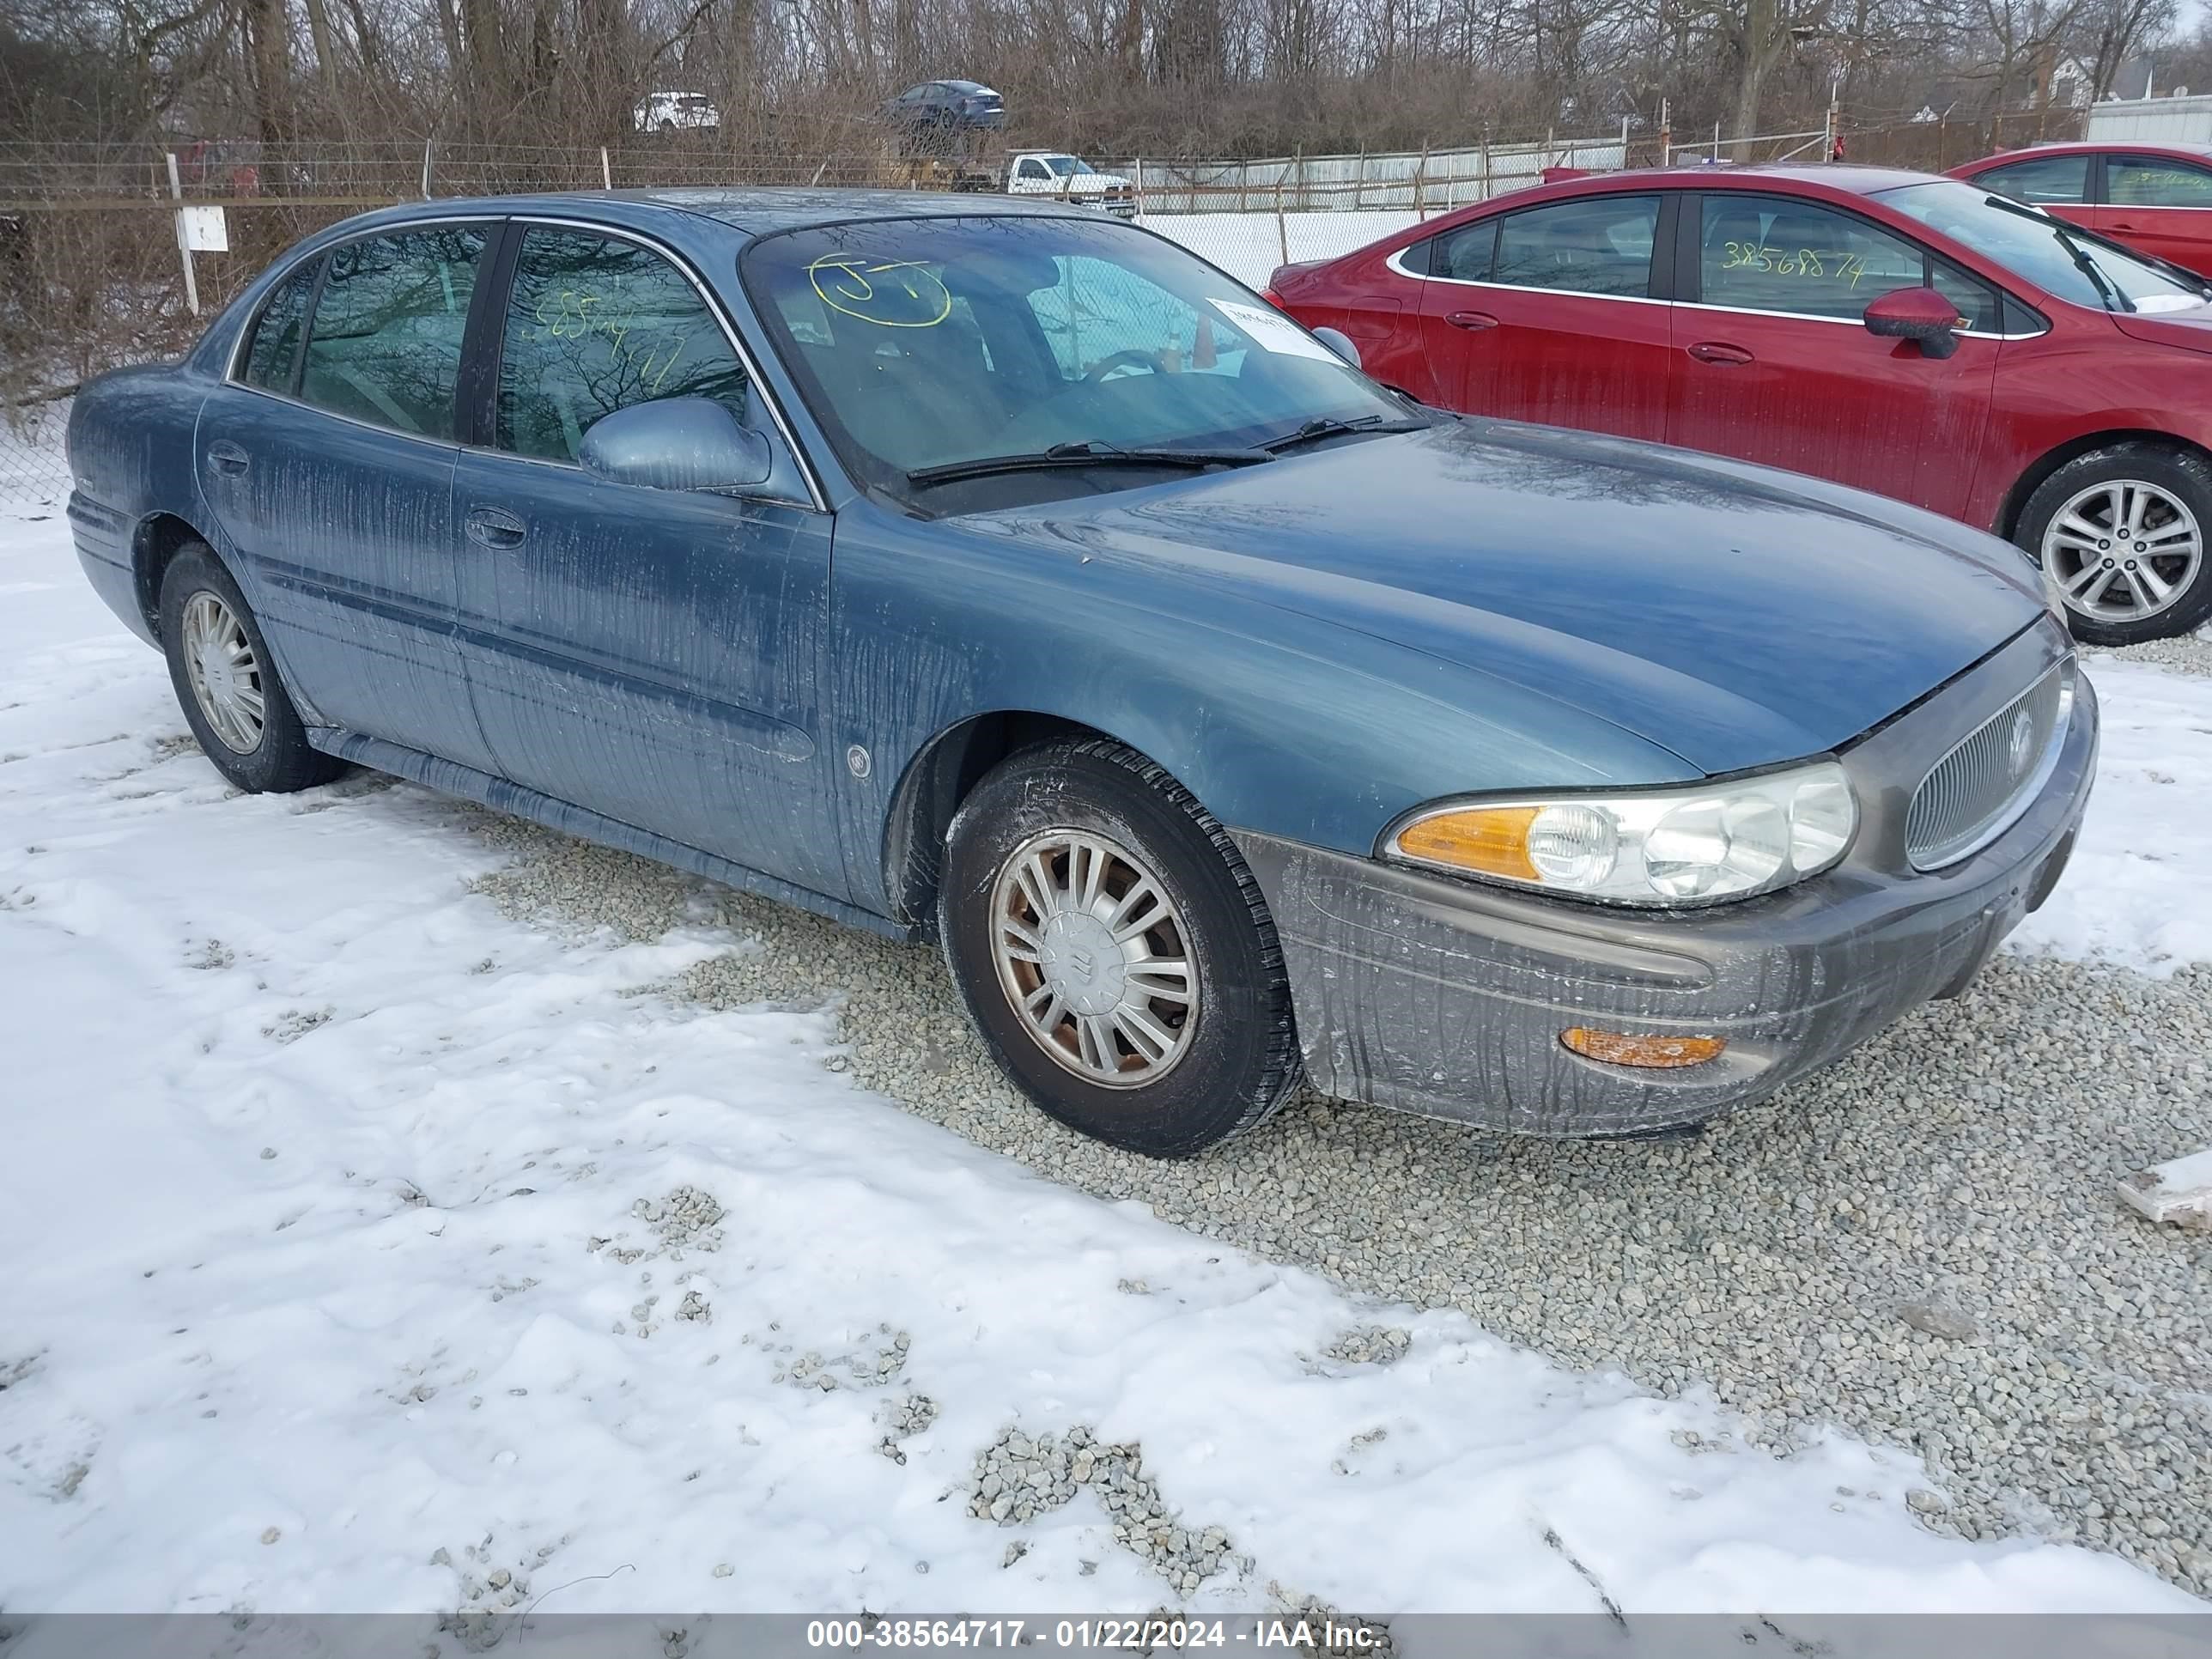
(1448, 998)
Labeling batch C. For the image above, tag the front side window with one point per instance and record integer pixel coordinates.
(596, 323)
(1776, 253)
(930, 343)
(1034, 169)
(385, 344)
(273, 355)
(2154, 181)
(1590, 245)
(2063, 179)
(2075, 265)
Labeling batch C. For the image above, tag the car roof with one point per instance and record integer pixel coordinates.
(1849, 178)
(754, 211)
(2091, 146)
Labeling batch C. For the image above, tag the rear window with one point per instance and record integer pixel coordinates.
(386, 346)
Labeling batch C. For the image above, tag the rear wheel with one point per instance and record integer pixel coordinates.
(1115, 952)
(226, 683)
(2122, 535)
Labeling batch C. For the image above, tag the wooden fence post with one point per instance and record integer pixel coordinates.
(183, 245)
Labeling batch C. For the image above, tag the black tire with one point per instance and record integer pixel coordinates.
(2183, 474)
(282, 760)
(1241, 1062)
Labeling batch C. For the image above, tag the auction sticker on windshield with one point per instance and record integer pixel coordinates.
(1272, 331)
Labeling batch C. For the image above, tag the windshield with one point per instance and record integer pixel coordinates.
(926, 343)
(1062, 166)
(2059, 259)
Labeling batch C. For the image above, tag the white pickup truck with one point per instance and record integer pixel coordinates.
(1054, 172)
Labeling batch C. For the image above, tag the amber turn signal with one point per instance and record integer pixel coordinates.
(1492, 840)
(1663, 1052)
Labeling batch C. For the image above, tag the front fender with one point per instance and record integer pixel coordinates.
(1279, 723)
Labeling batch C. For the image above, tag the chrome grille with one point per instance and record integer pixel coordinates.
(1978, 790)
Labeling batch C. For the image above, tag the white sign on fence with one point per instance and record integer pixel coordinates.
(203, 230)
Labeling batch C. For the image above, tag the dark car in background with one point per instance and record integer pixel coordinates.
(949, 106)
(1006, 574)
(1915, 335)
(2154, 198)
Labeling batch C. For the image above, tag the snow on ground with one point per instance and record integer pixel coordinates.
(2138, 892)
(1250, 245)
(367, 1251)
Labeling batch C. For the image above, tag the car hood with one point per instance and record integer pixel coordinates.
(1735, 616)
(2190, 330)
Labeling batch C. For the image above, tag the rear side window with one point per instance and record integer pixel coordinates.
(1467, 253)
(2154, 181)
(274, 351)
(386, 346)
(2060, 179)
(1591, 245)
(596, 323)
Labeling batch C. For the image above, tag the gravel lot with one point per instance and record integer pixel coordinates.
(1920, 1245)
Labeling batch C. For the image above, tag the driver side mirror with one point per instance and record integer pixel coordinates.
(676, 443)
(1920, 314)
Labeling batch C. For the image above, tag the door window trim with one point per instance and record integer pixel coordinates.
(493, 348)
(1690, 246)
(328, 253)
(1662, 277)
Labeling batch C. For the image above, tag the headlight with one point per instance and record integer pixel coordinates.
(1696, 845)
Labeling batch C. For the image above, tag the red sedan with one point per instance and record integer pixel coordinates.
(1914, 335)
(2156, 197)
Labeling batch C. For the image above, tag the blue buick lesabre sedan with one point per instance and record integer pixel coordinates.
(1005, 574)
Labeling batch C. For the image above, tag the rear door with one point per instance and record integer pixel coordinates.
(2160, 204)
(1774, 363)
(649, 654)
(1550, 314)
(328, 461)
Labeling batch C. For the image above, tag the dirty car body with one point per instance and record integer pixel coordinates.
(1180, 538)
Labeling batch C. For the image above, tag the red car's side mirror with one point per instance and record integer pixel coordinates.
(1920, 314)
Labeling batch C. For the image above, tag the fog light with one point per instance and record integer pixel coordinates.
(1661, 1053)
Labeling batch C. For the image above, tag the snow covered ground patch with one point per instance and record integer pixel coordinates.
(2138, 892)
(367, 1251)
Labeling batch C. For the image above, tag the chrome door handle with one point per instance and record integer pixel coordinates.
(1471, 319)
(227, 458)
(1714, 351)
(495, 528)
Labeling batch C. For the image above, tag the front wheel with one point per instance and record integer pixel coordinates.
(1115, 952)
(2121, 535)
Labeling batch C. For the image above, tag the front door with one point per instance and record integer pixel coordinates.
(1553, 318)
(328, 462)
(649, 654)
(1774, 363)
(2161, 205)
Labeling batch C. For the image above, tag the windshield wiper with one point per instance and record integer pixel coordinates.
(2112, 298)
(1083, 454)
(1324, 427)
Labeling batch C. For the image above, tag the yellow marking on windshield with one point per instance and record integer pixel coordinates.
(841, 282)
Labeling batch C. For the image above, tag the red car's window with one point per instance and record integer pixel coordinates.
(1465, 254)
(1776, 253)
(1587, 244)
(2053, 179)
(2154, 181)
